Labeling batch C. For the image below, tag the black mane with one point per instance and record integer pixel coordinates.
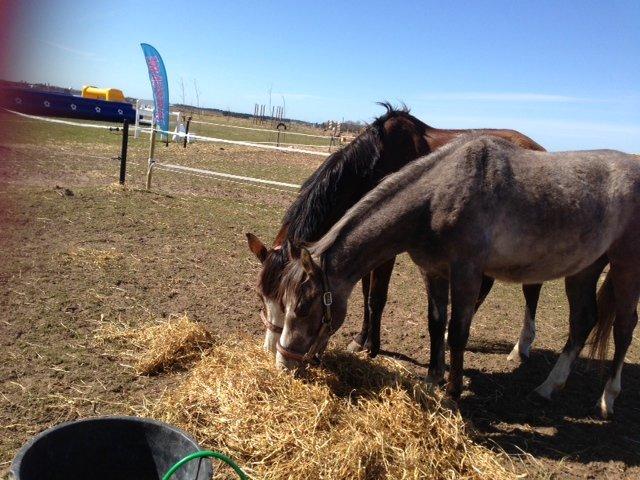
(342, 179)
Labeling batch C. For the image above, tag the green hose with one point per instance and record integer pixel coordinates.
(203, 454)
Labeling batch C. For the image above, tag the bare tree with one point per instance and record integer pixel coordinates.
(182, 90)
(284, 109)
(195, 88)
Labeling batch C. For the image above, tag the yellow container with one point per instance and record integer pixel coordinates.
(108, 94)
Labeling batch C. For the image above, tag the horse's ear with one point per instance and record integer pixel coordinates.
(282, 235)
(307, 262)
(257, 247)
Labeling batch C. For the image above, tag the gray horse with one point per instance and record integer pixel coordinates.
(484, 205)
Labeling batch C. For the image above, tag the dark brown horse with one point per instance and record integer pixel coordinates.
(388, 144)
(482, 205)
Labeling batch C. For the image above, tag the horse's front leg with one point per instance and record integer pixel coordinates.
(380, 278)
(357, 344)
(438, 292)
(465, 279)
(522, 349)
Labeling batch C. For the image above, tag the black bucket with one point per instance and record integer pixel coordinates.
(109, 448)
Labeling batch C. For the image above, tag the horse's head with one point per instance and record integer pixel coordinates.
(312, 311)
(401, 137)
(273, 262)
(391, 141)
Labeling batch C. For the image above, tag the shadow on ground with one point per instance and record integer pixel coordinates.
(501, 408)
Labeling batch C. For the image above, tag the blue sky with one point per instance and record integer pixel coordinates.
(565, 73)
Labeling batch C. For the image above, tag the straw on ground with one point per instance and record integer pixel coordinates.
(352, 418)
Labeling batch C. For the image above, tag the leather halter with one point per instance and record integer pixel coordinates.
(325, 326)
(270, 326)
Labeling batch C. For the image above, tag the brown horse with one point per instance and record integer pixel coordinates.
(484, 205)
(388, 144)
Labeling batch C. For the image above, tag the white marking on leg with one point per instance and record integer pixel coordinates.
(446, 336)
(275, 315)
(270, 341)
(522, 349)
(355, 347)
(611, 391)
(558, 376)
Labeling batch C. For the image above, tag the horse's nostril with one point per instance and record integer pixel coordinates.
(283, 363)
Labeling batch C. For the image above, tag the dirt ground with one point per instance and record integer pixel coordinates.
(79, 250)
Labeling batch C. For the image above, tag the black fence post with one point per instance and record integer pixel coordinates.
(186, 133)
(123, 153)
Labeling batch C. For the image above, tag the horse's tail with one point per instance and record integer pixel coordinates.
(606, 317)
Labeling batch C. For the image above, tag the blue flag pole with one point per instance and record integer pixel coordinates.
(159, 86)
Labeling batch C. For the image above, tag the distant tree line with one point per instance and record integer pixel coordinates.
(350, 126)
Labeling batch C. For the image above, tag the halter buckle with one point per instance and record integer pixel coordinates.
(327, 299)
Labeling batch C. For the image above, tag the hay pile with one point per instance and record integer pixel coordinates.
(162, 346)
(352, 418)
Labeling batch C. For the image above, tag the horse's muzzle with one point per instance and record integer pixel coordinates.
(283, 363)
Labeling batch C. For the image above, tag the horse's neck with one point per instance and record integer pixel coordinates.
(373, 235)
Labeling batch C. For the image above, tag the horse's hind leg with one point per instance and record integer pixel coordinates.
(583, 314)
(357, 344)
(522, 349)
(622, 335)
(626, 291)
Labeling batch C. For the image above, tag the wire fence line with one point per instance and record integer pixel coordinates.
(64, 122)
(203, 138)
(245, 180)
(230, 176)
(327, 137)
(209, 174)
(179, 134)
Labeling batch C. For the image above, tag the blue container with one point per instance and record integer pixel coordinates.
(50, 104)
(109, 448)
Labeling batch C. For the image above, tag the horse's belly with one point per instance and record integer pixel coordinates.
(536, 262)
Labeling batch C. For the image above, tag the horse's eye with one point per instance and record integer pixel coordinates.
(302, 308)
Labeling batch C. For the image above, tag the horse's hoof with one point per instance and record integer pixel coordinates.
(355, 347)
(453, 393)
(372, 350)
(603, 412)
(517, 356)
(537, 399)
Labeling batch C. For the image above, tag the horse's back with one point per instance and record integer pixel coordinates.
(517, 138)
(548, 209)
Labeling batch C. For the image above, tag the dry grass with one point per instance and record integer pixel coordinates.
(95, 257)
(353, 418)
(162, 346)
